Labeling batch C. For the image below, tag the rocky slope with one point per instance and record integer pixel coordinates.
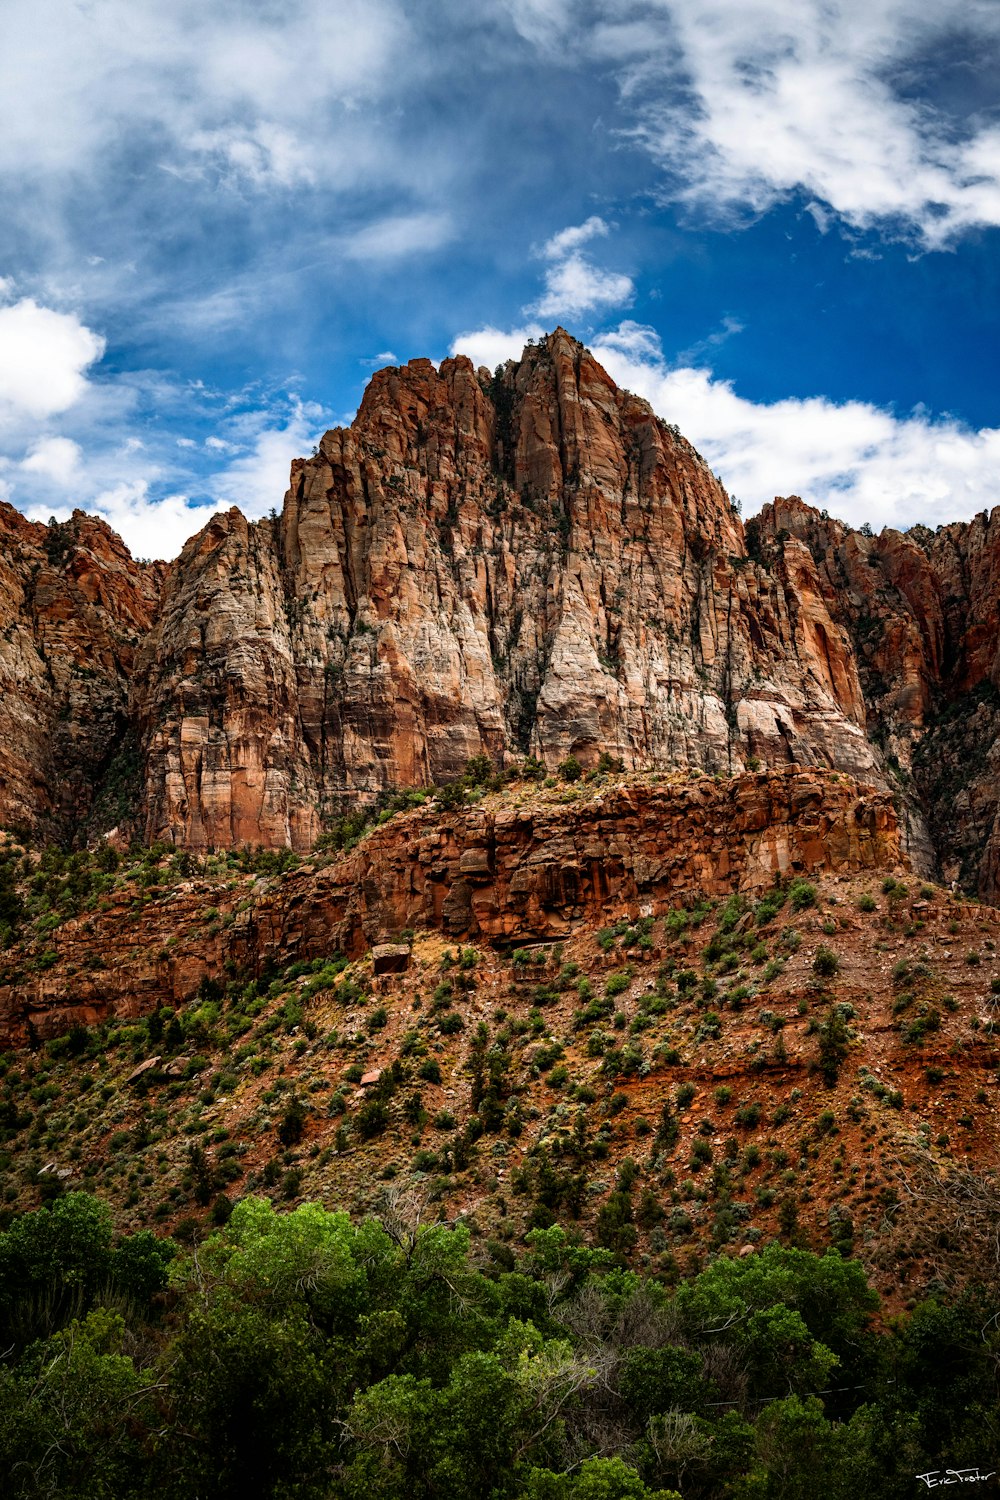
(522, 562)
(709, 1057)
(528, 865)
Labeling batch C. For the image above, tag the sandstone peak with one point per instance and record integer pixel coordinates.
(522, 562)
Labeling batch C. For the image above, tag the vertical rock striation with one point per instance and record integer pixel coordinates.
(528, 562)
(523, 562)
(74, 606)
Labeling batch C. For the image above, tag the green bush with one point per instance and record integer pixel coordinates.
(801, 893)
(825, 963)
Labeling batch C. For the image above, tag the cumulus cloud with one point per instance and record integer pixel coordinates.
(263, 440)
(494, 346)
(576, 286)
(573, 283)
(43, 357)
(58, 458)
(150, 528)
(860, 461)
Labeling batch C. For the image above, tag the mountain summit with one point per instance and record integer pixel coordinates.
(520, 562)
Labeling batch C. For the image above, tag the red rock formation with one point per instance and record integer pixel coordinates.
(524, 562)
(516, 870)
(73, 608)
(921, 611)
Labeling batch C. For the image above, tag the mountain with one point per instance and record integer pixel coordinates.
(523, 562)
(506, 698)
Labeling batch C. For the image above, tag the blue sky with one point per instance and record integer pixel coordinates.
(779, 220)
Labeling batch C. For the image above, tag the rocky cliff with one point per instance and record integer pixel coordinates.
(521, 562)
(74, 607)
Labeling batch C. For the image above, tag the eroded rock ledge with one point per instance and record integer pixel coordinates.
(517, 868)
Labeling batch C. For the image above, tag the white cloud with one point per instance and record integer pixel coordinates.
(858, 460)
(576, 286)
(573, 283)
(43, 356)
(568, 240)
(746, 102)
(258, 479)
(492, 346)
(149, 528)
(159, 490)
(398, 236)
(749, 101)
(58, 458)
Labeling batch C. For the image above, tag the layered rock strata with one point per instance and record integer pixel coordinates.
(501, 874)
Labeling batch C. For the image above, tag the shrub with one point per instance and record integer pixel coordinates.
(833, 1043)
(826, 963)
(291, 1127)
(372, 1119)
(801, 893)
(701, 1154)
(570, 769)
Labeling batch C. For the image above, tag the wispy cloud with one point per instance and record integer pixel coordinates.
(568, 240)
(750, 101)
(268, 439)
(196, 76)
(398, 236)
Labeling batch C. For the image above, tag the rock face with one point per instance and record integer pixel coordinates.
(922, 611)
(502, 875)
(74, 606)
(540, 873)
(524, 562)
